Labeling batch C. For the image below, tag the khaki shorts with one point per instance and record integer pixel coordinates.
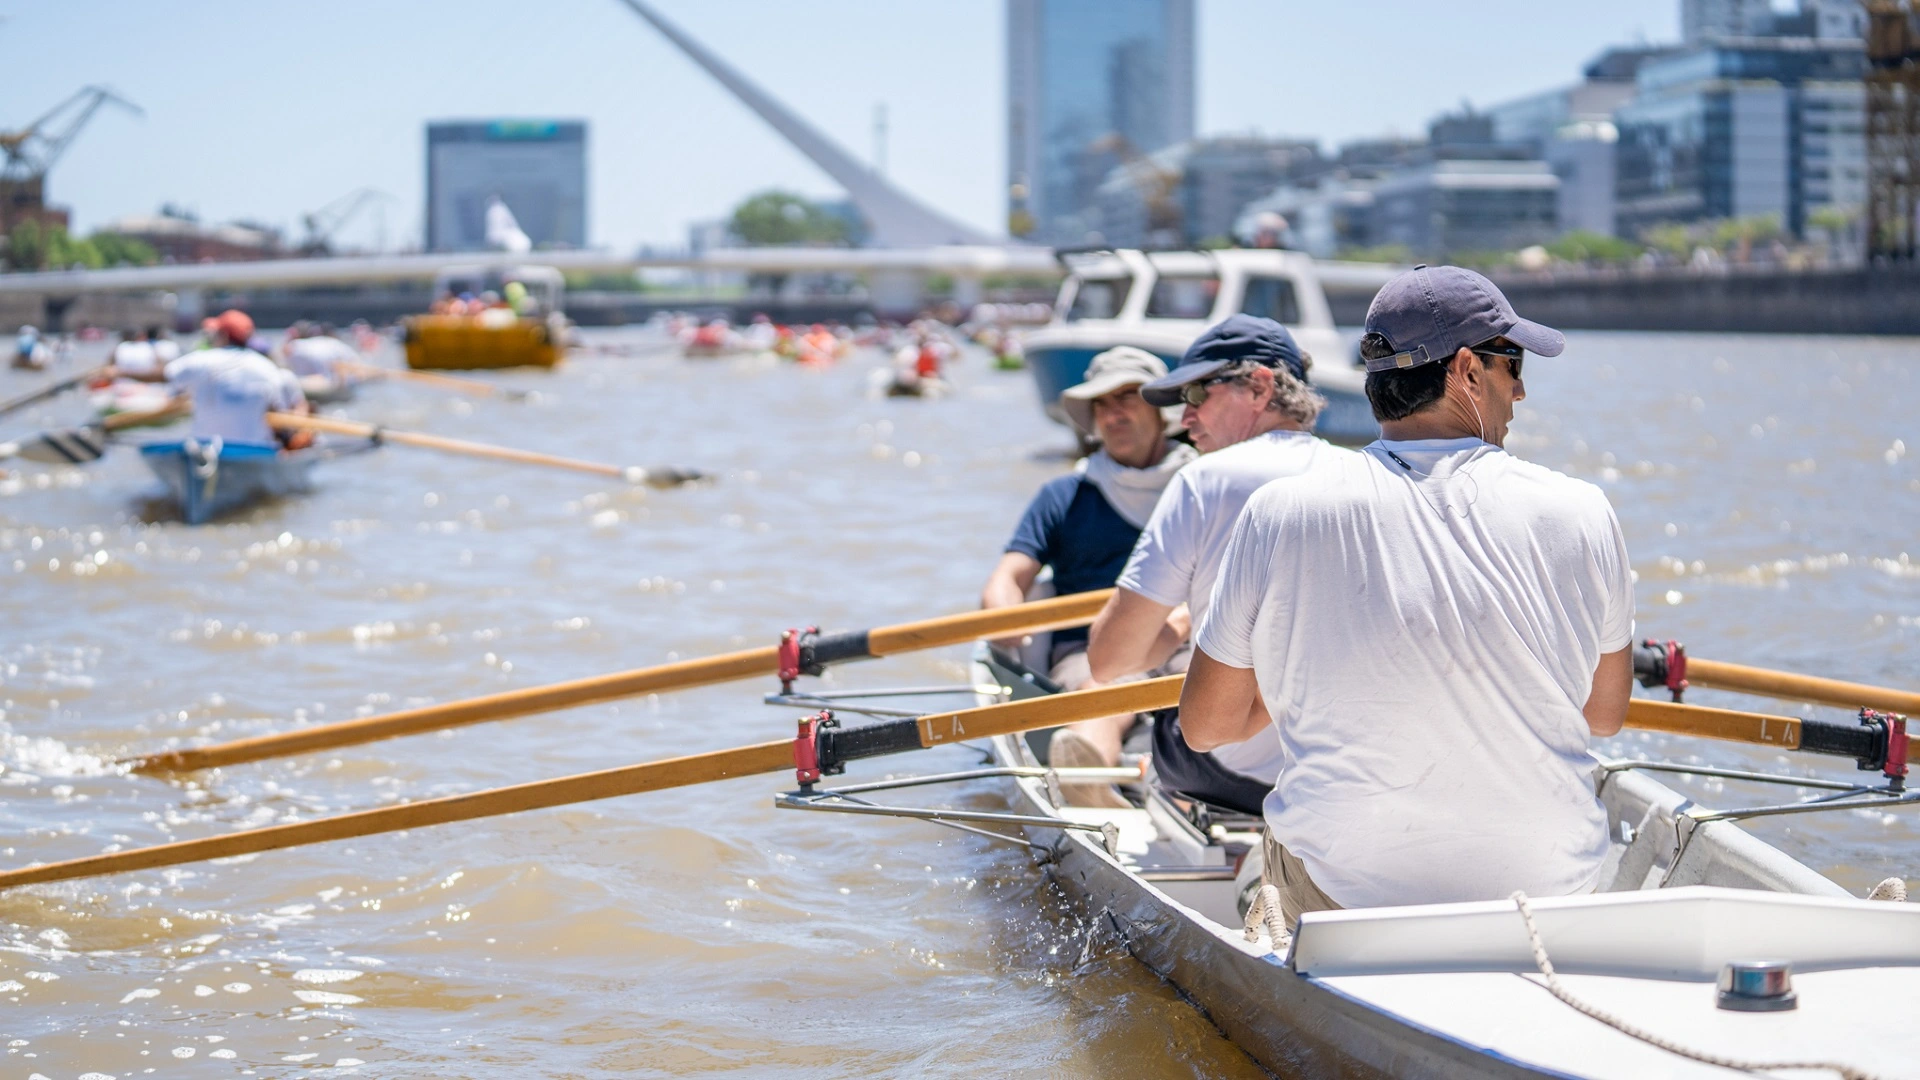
(1072, 671)
(1284, 871)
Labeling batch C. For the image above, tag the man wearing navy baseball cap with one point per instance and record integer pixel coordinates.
(1435, 628)
(1250, 411)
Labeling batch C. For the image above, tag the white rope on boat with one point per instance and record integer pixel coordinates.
(1893, 890)
(1848, 1072)
(1265, 911)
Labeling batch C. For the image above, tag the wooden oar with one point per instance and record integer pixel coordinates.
(769, 757)
(1790, 687)
(45, 392)
(428, 378)
(632, 474)
(1666, 663)
(816, 749)
(1052, 614)
(87, 443)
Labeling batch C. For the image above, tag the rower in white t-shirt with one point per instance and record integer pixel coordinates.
(1435, 628)
(233, 388)
(316, 352)
(1250, 412)
(165, 349)
(134, 358)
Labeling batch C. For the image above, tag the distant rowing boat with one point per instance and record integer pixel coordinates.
(138, 404)
(210, 480)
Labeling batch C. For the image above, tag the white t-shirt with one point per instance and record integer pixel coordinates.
(136, 358)
(166, 350)
(232, 390)
(318, 355)
(1425, 640)
(1178, 554)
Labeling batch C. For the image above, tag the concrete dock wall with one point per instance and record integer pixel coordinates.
(1879, 301)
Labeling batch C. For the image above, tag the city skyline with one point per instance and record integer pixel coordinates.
(308, 124)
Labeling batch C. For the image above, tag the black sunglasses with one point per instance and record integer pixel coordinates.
(1515, 355)
(1195, 394)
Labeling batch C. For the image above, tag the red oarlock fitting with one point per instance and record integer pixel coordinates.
(790, 657)
(1895, 768)
(1676, 668)
(806, 749)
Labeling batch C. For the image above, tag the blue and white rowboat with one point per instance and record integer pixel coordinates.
(212, 479)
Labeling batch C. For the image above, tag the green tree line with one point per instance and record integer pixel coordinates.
(35, 245)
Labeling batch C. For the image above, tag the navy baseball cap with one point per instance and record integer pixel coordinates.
(1431, 312)
(1235, 339)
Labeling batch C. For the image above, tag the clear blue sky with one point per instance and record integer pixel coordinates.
(269, 108)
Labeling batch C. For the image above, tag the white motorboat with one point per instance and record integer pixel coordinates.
(1161, 301)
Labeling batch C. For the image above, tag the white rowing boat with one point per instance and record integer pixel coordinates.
(1454, 990)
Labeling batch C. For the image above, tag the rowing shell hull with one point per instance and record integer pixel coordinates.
(1440, 1024)
(240, 477)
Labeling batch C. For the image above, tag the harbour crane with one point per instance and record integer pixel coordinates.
(31, 151)
(324, 223)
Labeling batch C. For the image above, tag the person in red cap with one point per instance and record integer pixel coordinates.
(233, 387)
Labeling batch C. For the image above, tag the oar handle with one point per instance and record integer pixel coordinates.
(809, 652)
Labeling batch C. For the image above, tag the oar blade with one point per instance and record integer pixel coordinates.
(71, 446)
(664, 476)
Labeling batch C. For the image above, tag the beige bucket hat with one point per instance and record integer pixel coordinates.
(1120, 366)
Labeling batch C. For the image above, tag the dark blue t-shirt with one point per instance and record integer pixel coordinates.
(1071, 527)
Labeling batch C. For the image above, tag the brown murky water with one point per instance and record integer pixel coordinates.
(1768, 498)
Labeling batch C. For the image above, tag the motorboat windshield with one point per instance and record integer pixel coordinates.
(1098, 298)
(1183, 296)
(1097, 286)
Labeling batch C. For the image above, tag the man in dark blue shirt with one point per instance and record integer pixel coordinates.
(1084, 525)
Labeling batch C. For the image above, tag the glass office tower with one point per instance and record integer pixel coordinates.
(1756, 127)
(1091, 85)
(537, 167)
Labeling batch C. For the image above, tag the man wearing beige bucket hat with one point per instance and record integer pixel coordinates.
(1084, 525)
